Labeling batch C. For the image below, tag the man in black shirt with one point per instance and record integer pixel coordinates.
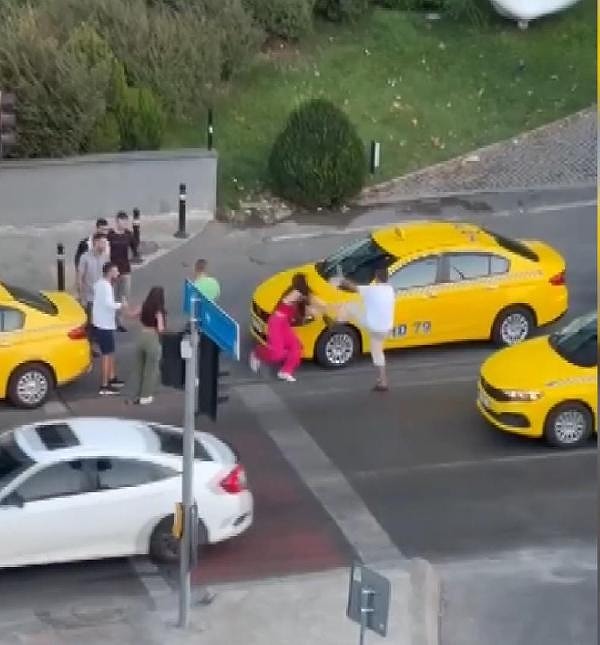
(121, 242)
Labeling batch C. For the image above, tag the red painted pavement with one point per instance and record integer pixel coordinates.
(291, 534)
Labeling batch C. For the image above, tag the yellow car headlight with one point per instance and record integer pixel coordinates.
(523, 395)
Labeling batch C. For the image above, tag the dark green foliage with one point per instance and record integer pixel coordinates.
(341, 10)
(318, 159)
(106, 135)
(60, 85)
(475, 11)
(287, 19)
(141, 120)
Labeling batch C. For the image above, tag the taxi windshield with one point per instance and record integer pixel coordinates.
(13, 461)
(357, 261)
(578, 341)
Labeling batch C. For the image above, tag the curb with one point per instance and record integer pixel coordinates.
(425, 603)
(370, 192)
(474, 192)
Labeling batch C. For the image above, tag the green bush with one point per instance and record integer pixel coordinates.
(238, 35)
(106, 135)
(141, 120)
(318, 159)
(60, 85)
(181, 50)
(287, 19)
(342, 10)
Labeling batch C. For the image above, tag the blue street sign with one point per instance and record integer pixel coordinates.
(212, 321)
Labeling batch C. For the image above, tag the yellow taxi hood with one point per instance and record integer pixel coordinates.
(268, 293)
(69, 310)
(527, 366)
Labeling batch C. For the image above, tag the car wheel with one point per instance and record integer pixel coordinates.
(164, 547)
(569, 425)
(30, 385)
(512, 326)
(337, 347)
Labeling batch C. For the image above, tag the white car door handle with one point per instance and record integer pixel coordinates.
(491, 286)
(431, 294)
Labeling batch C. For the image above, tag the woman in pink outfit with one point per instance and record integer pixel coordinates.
(283, 346)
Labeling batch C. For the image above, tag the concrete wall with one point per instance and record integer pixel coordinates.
(84, 188)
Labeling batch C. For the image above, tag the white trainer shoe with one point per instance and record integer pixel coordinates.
(284, 376)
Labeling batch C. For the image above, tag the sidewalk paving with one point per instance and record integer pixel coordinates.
(299, 610)
(562, 153)
(28, 253)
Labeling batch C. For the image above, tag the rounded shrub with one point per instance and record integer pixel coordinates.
(287, 19)
(318, 159)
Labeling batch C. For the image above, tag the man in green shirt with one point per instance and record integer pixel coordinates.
(206, 284)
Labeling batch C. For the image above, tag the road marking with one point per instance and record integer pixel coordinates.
(471, 463)
(323, 478)
(157, 588)
(535, 210)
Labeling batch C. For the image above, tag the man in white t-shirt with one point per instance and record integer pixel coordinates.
(375, 313)
(104, 312)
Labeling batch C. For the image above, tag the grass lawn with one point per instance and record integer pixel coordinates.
(427, 91)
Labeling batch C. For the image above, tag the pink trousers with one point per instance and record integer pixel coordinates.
(282, 345)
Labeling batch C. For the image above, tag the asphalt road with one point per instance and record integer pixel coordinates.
(440, 482)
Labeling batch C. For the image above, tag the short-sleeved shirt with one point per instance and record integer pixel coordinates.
(90, 270)
(208, 287)
(120, 245)
(104, 307)
(379, 302)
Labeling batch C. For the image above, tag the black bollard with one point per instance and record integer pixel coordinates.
(182, 206)
(60, 266)
(137, 257)
(210, 129)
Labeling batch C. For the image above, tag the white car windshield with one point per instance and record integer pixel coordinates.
(13, 461)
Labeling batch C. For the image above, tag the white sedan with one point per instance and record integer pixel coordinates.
(87, 488)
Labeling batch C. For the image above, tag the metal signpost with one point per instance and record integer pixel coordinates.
(208, 318)
(368, 601)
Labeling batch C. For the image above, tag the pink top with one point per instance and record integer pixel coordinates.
(286, 310)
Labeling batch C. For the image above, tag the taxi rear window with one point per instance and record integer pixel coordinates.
(33, 299)
(514, 246)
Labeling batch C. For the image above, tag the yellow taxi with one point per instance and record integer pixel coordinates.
(43, 343)
(545, 387)
(453, 282)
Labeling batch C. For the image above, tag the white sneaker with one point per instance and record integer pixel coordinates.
(254, 362)
(146, 400)
(284, 376)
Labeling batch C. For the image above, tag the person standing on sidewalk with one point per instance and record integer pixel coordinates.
(104, 309)
(144, 378)
(121, 242)
(207, 285)
(89, 272)
(376, 314)
(87, 242)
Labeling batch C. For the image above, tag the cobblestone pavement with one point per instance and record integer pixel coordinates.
(562, 153)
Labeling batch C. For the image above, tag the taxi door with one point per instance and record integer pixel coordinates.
(418, 318)
(475, 291)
